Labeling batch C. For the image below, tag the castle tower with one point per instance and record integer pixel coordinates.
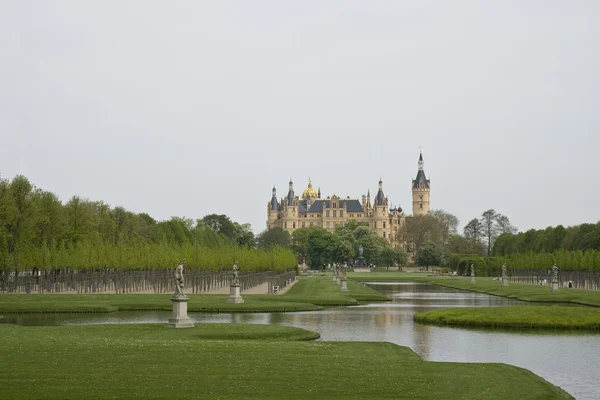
(380, 219)
(421, 191)
(290, 210)
(272, 211)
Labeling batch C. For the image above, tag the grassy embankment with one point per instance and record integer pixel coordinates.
(150, 361)
(524, 317)
(306, 295)
(517, 291)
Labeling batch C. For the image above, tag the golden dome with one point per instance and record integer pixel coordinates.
(309, 192)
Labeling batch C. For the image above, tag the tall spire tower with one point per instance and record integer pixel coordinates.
(421, 191)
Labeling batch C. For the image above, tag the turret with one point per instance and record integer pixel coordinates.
(421, 190)
(379, 199)
(290, 195)
(273, 210)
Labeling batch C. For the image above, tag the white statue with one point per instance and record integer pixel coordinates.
(234, 275)
(554, 273)
(179, 281)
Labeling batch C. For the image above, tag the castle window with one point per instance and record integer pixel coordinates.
(375, 225)
(285, 225)
(327, 224)
(304, 224)
(341, 213)
(327, 213)
(311, 224)
(294, 226)
(334, 205)
(384, 224)
(334, 213)
(384, 235)
(421, 205)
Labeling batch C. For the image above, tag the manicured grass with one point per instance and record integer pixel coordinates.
(521, 291)
(308, 294)
(323, 291)
(47, 303)
(522, 317)
(518, 291)
(151, 362)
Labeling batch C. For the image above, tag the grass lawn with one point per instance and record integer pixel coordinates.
(150, 362)
(307, 295)
(540, 317)
(487, 285)
(521, 291)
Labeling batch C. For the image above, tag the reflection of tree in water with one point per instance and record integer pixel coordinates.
(422, 340)
(241, 318)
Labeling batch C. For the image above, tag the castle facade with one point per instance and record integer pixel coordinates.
(293, 212)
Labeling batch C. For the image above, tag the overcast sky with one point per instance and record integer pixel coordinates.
(186, 108)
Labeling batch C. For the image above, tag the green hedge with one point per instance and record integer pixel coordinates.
(154, 256)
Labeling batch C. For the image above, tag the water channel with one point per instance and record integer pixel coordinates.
(569, 360)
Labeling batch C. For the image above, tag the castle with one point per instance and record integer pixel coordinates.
(293, 212)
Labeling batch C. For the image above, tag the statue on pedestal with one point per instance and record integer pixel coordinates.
(472, 270)
(179, 301)
(554, 273)
(234, 281)
(179, 281)
(504, 272)
(234, 286)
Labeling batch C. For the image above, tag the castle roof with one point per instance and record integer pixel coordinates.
(421, 180)
(352, 205)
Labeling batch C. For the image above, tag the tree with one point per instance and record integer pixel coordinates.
(458, 244)
(219, 223)
(473, 230)
(448, 222)
(419, 229)
(274, 237)
(300, 243)
(321, 247)
(344, 251)
(504, 225)
(427, 255)
(243, 235)
(490, 228)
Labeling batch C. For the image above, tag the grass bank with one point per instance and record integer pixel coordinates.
(150, 362)
(517, 291)
(521, 291)
(309, 294)
(520, 317)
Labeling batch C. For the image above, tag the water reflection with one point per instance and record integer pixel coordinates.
(567, 360)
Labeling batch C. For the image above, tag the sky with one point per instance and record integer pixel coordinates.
(187, 108)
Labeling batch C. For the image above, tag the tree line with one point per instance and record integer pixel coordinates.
(317, 247)
(38, 231)
(582, 237)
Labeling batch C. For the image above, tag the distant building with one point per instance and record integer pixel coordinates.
(293, 212)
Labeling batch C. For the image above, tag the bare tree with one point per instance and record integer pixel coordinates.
(504, 225)
(473, 230)
(490, 228)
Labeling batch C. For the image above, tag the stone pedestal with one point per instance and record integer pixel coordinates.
(337, 280)
(504, 282)
(333, 277)
(344, 285)
(234, 294)
(180, 318)
(554, 285)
